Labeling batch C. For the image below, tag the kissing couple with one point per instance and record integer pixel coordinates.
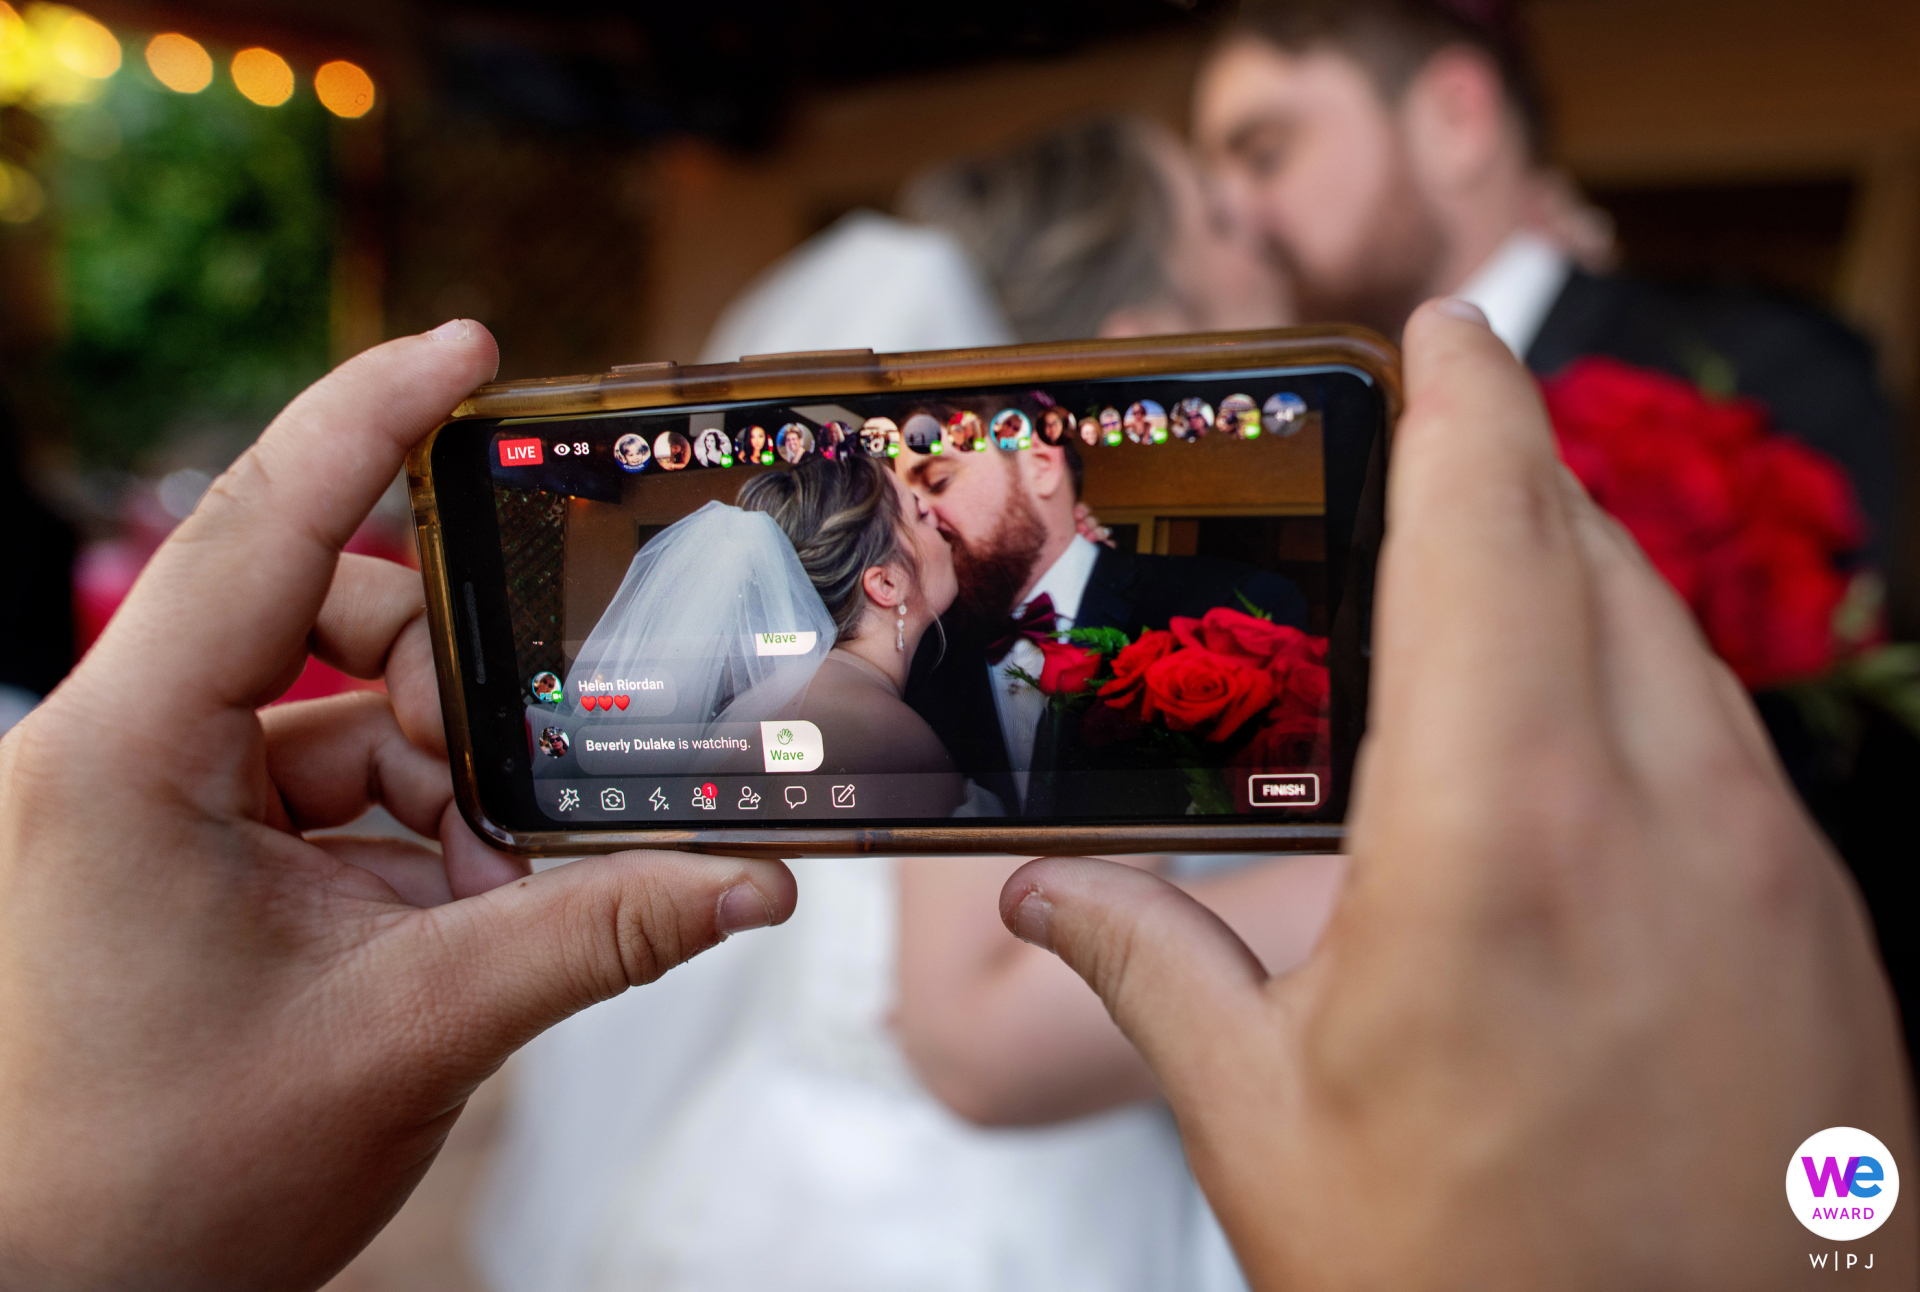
(861, 557)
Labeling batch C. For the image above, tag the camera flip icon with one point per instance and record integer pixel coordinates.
(612, 800)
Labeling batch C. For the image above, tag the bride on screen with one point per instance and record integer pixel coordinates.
(884, 573)
(838, 551)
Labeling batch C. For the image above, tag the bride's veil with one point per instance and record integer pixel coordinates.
(694, 606)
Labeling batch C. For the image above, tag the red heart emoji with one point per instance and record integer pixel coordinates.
(586, 702)
(621, 700)
(606, 703)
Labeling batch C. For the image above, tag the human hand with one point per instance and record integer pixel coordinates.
(1594, 975)
(230, 1052)
(1088, 525)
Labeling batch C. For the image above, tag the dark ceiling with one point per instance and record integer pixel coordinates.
(720, 69)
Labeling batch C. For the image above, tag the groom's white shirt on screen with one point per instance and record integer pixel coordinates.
(1517, 286)
(1018, 704)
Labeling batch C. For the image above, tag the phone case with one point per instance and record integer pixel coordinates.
(854, 372)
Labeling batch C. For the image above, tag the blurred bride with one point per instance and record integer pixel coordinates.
(801, 1110)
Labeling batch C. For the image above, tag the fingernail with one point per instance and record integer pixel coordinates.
(1466, 311)
(1032, 920)
(452, 330)
(742, 908)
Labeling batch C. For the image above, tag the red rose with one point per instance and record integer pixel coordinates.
(1767, 604)
(1130, 666)
(1068, 668)
(1198, 690)
(1231, 632)
(1291, 743)
(1789, 484)
(1747, 525)
(1304, 690)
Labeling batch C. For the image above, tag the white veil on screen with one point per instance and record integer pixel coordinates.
(698, 604)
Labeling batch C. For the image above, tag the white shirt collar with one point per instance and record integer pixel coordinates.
(1065, 580)
(1517, 286)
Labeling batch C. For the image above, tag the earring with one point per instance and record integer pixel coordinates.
(900, 629)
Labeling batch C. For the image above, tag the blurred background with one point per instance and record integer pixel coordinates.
(205, 205)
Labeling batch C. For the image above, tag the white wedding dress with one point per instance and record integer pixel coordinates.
(749, 1122)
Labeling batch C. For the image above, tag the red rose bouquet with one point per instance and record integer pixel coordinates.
(1758, 534)
(1216, 697)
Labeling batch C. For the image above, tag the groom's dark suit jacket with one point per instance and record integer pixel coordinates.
(1817, 379)
(1126, 591)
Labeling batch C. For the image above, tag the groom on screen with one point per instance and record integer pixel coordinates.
(1026, 573)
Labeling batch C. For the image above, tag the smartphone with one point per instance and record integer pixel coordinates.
(1105, 596)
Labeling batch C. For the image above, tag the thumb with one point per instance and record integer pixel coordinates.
(1176, 979)
(509, 963)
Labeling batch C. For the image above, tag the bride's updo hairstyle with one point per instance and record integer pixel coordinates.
(843, 518)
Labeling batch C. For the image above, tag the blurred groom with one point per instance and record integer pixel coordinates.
(1392, 150)
(1026, 573)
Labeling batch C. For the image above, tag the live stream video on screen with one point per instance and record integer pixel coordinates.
(1090, 602)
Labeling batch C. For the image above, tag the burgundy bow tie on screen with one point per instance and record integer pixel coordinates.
(1035, 623)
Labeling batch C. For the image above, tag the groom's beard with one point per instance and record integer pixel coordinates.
(992, 571)
(1403, 252)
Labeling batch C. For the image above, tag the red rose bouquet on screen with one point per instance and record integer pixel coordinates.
(1218, 697)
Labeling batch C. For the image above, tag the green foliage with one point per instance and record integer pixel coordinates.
(197, 236)
(1108, 641)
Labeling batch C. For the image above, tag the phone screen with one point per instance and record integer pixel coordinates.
(1125, 600)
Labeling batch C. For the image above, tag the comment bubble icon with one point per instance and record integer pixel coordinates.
(796, 795)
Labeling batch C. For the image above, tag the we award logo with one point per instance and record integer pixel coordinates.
(1842, 1184)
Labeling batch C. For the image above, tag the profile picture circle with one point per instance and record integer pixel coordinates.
(753, 445)
(1283, 413)
(1192, 418)
(966, 432)
(830, 439)
(1112, 430)
(554, 742)
(1239, 417)
(1056, 424)
(1090, 428)
(1145, 422)
(924, 434)
(631, 453)
(1012, 429)
(876, 433)
(793, 443)
(546, 688)
(712, 448)
(672, 450)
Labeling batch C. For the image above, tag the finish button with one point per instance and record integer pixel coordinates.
(1284, 791)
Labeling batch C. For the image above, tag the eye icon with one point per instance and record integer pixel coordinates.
(786, 736)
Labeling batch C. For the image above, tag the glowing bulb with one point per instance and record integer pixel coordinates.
(344, 89)
(180, 63)
(263, 76)
(87, 47)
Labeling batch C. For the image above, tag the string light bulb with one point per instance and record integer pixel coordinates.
(180, 63)
(344, 89)
(262, 76)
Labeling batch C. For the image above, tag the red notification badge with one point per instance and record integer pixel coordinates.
(520, 453)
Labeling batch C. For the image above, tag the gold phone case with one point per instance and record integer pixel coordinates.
(857, 372)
